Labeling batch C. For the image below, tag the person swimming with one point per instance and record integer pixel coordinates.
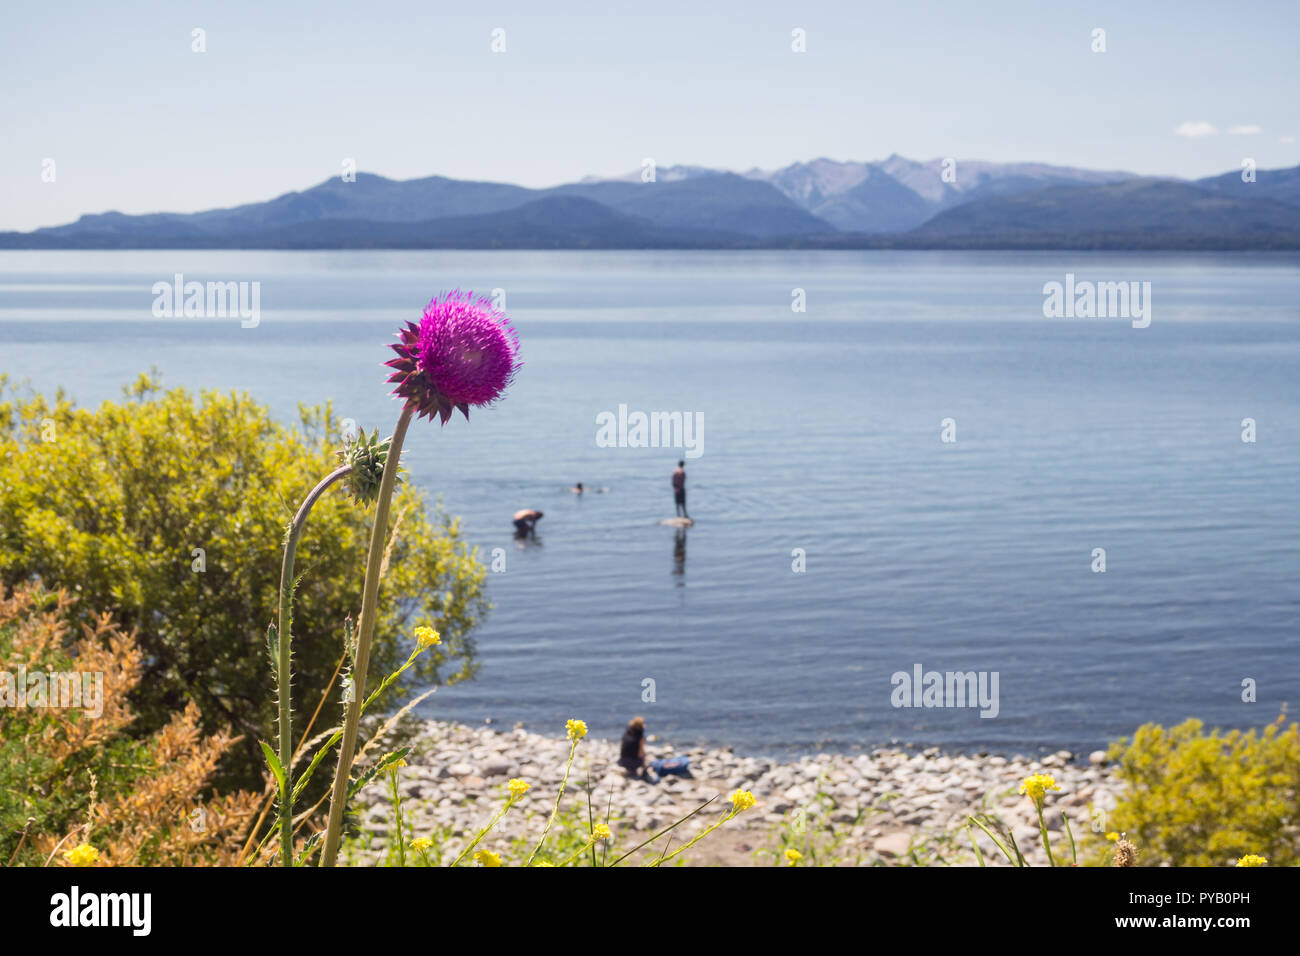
(580, 489)
(526, 522)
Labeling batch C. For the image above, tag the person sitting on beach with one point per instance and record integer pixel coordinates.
(526, 522)
(631, 756)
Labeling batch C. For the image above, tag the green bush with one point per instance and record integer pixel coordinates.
(1206, 799)
(112, 503)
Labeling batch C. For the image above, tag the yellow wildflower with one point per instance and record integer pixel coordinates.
(1112, 836)
(741, 800)
(1252, 859)
(84, 855)
(518, 787)
(427, 637)
(601, 831)
(575, 729)
(420, 844)
(1038, 784)
(793, 856)
(487, 858)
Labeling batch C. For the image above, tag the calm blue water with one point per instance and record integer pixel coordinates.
(822, 432)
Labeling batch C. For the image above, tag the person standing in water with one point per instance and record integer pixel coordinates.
(679, 490)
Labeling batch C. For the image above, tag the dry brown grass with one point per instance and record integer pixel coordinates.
(154, 809)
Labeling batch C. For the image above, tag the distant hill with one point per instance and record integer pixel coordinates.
(899, 194)
(894, 203)
(552, 222)
(856, 197)
(711, 208)
(1279, 185)
(1136, 214)
(716, 202)
(372, 198)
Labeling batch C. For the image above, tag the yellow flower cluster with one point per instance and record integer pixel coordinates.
(793, 856)
(427, 637)
(84, 855)
(1252, 859)
(601, 831)
(420, 844)
(576, 729)
(741, 800)
(487, 858)
(517, 787)
(1037, 785)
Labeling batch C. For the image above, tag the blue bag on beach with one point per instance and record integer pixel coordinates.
(678, 766)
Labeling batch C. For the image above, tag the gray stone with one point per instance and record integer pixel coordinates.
(893, 844)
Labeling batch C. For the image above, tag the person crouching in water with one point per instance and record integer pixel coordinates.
(526, 522)
(631, 756)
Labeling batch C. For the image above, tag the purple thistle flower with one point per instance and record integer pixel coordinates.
(464, 352)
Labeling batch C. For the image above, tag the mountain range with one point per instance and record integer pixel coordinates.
(894, 203)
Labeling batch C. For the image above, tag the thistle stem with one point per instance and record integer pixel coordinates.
(284, 659)
(365, 631)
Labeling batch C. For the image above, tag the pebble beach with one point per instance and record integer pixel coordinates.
(884, 805)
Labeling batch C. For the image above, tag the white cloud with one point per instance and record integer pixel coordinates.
(1197, 129)
(1248, 130)
(1286, 139)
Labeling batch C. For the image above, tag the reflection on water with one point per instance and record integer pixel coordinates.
(679, 555)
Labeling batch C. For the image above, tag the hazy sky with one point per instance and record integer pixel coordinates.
(136, 121)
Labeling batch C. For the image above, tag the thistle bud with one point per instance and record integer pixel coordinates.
(366, 456)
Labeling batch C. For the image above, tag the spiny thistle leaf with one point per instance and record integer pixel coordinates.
(305, 778)
(310, 846)
(274, 762)
(349, 639)
(273, 646)
(384, 762)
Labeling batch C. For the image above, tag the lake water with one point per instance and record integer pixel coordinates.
(822, 432)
